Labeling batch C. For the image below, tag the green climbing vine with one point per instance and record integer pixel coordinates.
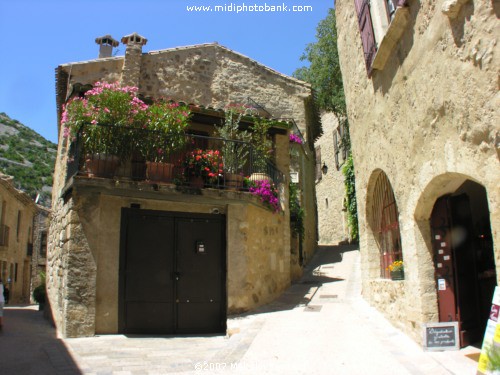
(296, 212)
(351, 205)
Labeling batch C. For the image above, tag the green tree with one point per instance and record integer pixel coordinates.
(324, 74)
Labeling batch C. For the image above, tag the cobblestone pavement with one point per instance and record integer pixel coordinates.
(320, 325)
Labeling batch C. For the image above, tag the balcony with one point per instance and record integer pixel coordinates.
(201, 162)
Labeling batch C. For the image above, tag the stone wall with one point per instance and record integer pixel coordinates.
(429, 120)
(38, 260)
(330, 190)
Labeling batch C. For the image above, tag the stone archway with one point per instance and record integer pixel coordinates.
(454, 220)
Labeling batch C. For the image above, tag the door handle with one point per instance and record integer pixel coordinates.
(177, 276)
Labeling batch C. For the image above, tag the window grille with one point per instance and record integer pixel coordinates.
(386, 224)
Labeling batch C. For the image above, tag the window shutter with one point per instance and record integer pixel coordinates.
(318, 163)
(366, 31)
(336, 149)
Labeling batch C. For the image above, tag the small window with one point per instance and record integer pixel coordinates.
(43, 244)
(18, 229)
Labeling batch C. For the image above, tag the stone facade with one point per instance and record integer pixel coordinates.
(40, 239)
(84, 241)
(330, 189)
(428, 119)
(17, 212)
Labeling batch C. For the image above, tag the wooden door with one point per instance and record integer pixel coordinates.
(172, 273)
(456, 266)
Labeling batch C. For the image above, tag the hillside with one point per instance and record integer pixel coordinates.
(28, 157)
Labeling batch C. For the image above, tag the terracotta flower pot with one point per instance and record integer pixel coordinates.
(260, 177)
(159, 172)
(101, 165)
(196, 182)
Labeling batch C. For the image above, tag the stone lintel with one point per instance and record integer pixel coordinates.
(391, 37)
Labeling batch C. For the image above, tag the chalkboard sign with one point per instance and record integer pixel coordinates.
(441, 336)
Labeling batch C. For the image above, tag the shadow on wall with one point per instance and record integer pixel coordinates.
(458, 24)
(302, 291)
(29, 345)
(496, 7)
(382, 79)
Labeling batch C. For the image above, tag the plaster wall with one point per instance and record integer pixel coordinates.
(258, 264)
(429, 120)
(15, 264)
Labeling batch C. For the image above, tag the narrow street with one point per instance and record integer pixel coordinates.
(320, 325)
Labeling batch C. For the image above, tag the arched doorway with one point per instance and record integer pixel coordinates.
(464, 259)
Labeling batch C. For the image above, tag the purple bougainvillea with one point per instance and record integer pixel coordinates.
(294, 138)
(267, 193)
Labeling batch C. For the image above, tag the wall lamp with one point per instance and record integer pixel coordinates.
(324, 168)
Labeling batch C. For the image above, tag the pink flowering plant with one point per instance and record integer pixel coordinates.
(166, 126)
(267, 192)
(108, 116)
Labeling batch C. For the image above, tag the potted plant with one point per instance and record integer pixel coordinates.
(235, 147)
(39, 293)
(396, 270)
(262, 148)
(103, 120)
(114, 123)
(164, 134)
(203, 166)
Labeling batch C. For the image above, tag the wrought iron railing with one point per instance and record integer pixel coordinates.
(143, 155)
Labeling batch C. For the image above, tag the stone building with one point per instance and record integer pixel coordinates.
(17, 213)
(330, 189)
(39, 254)
(129, 255)
(421, 85)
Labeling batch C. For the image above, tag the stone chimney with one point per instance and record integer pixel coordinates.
(131, 72)
(106, 44)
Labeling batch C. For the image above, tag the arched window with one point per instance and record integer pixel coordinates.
(385, 224)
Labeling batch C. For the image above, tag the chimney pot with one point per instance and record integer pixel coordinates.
(106, 44)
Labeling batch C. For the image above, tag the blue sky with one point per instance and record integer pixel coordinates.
(37, 36)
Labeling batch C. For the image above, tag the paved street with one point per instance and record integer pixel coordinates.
(320, 325)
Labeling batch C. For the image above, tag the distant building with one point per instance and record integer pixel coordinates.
(17, 213)
(331, 155)
(421, 86)
(127, 254)
(39, 254)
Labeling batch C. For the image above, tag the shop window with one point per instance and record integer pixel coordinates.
(385, 224)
